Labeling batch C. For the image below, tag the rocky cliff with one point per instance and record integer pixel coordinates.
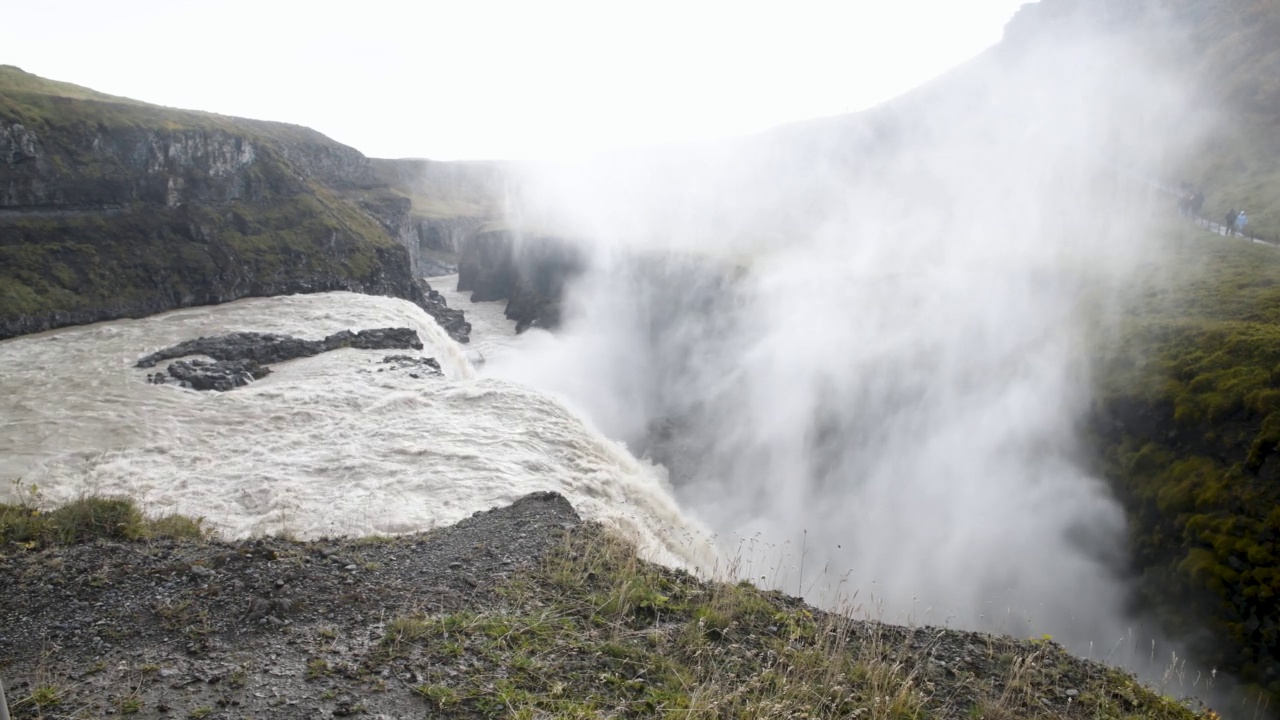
(433, 243)
(530, 273)
(434, 208)
(114, 208)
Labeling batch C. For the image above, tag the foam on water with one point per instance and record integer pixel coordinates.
(322, 446)
(493, 336)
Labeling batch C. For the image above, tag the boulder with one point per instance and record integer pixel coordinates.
(220, 375)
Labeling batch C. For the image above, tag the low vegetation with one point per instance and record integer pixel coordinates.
(596, 632)
(583, 629)
(445, 189)
(1229, 53)
(1188, 416)
(87, 519)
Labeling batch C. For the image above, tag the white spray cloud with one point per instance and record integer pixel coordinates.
(864, 341)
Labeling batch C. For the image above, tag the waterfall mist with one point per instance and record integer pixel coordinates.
(862, 345)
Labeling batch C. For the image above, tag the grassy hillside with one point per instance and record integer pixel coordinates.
(49, 103)
(14, 79)
(1229, 55)
(1232, 55)
(1188, 415)
(445, 189)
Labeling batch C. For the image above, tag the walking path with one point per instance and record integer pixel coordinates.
(1220, 229)
(1214, 227)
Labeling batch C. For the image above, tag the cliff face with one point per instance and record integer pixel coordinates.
(530, 274)
(124, 165)
(112, 208)
(434, 208)
(434, 243)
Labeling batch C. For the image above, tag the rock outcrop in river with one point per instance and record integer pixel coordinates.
(241, 358)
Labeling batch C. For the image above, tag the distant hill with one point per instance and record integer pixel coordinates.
(1186, 422)
(1228, 54)
(1235, 51)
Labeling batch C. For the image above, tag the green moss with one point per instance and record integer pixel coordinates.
(177, 527)
(45, 696)
(316, 668)
(129, 704)
(1195, 380)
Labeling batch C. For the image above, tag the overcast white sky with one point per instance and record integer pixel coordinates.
(469, 79)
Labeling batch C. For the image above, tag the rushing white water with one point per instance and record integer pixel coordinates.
(337, 444)
(493, 336)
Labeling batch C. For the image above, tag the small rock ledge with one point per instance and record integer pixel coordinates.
(220, 375)
(240, 358)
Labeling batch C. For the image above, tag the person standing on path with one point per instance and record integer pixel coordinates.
(1241, 221)
(1229, 227)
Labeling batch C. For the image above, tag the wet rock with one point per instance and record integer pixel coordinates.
(451, 319)
(430, 267)
(220, 375)
(265, 348)
(427, 366)
(543, 270)
(238, 357)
